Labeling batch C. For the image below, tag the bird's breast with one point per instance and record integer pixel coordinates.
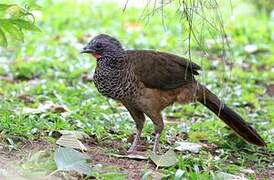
(114, 83)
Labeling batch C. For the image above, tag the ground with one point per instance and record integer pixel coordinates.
(134, 169)
(46, 86)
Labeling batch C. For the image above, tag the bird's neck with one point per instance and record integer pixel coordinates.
(115, 61)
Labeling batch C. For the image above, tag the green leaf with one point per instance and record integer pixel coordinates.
(4, 7)
(32, 5)
(227, 176)
(3, 38)
(14, 32)
(15, 11)
(23, 24)
(68, 159)
(166, 160)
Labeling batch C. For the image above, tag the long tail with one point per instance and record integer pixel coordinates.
(230, 117)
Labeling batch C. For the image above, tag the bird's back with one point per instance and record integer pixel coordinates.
(162, 70)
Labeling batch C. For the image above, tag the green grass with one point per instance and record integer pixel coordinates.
(48, 68)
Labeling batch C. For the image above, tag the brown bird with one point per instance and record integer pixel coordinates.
(147, 81)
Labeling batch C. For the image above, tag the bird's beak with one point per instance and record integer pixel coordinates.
(87, 50)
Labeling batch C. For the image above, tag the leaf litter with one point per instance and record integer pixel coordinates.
(187, 146)
(166, 160)
(71, 141)
(68, 159)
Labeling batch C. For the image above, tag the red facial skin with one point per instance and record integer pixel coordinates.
(97, 56)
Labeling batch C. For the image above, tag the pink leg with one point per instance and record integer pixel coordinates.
(134, 145)
(156, 143)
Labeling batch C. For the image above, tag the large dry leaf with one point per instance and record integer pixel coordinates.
(166, 160)
(179, 174)
(253, 49)
(186, 146)
(226, 176)
(247, 171)
(77, 134)
(69, 140)
(68, 159)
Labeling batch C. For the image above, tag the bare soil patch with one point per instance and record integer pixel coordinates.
(132, 167)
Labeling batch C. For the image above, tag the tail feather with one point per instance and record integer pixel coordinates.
(230, 117)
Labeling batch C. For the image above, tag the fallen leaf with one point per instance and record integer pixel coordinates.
(166, 160)
(179, 174)
(28, 110)
(186, 146)
(68, 159)
(131, 156)
(58, 108)
(270, 90)
(253, 48)
(71, 141)
(226, 176)
(26, 98)
(77, 134)
(247, 171)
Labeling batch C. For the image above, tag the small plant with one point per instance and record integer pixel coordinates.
(14, 19)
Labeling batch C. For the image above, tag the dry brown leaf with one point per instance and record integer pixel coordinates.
(77, 134)
(270, 90)
(71, 141)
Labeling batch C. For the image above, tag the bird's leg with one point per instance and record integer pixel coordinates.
(134, 145)
(156, 142)
(139, 119)
(158, 123)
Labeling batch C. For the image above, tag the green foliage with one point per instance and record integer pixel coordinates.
(267, 5)
(14, 19)
(50, 69)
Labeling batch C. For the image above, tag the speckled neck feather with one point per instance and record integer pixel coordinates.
(113, 77)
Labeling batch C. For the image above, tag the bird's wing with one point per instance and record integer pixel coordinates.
(161, 70)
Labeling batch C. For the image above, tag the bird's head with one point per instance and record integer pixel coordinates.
(102, 45)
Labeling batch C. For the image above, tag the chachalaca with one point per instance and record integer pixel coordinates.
(147, 81)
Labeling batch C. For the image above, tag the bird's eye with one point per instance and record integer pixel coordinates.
(98, 46)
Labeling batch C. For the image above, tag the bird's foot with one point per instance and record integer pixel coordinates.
(134, 145)
(156, 143)
(131, 150)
